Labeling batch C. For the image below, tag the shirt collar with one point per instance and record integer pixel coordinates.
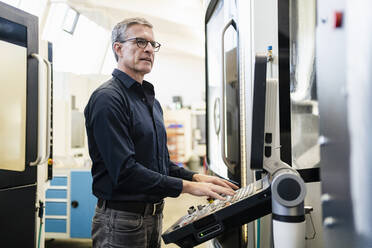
(124, 78)
(128, 81)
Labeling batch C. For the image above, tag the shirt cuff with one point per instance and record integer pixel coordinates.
(174, 186)
(187, 175)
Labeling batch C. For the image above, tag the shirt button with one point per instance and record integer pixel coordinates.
(143, 99)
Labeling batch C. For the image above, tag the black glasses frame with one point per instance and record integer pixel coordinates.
(142, 43)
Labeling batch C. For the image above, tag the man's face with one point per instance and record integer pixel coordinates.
(131, 57)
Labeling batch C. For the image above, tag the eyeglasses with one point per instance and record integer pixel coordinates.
(142, 43)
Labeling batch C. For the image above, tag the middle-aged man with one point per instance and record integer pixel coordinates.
(132, 173)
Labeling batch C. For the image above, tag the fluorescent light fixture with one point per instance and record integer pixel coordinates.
(70, 20)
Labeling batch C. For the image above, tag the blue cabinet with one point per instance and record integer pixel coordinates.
(70, 205)
(82, 204)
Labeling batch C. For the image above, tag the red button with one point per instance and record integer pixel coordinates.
(338, 19)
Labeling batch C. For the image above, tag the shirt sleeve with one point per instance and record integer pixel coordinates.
(110, 121)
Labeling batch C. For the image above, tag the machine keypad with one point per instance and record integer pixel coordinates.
(201, 211)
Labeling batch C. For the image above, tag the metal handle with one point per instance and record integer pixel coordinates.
(223, 133)
(41, 158)
(49, 109)
(217, 116)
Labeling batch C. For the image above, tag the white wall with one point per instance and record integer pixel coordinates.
(64, 85)
(174, 73)
(177, 74)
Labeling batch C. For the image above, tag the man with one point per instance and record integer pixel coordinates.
(131, 169)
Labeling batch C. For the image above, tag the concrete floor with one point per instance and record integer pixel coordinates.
(174, 209)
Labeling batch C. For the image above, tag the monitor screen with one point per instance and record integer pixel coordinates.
(258, 113)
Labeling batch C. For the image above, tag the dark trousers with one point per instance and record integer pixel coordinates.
(114, 228)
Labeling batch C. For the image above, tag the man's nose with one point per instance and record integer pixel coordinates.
(148, 48)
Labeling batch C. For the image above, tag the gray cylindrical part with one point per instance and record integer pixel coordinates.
(289, 235)
(288, 195)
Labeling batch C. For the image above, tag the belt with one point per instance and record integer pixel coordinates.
(142, 208)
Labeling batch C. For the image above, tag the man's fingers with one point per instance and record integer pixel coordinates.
(216, 196)
(232, 185)
(221, 183)
(208, 189)
(223, 190)
(225, 183)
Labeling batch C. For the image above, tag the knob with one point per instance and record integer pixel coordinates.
(74, 204)
(200, 207)
(191, 210)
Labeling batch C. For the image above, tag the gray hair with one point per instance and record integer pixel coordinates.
(120, 29)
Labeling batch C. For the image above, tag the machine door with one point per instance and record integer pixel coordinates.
(18, 126)
(222, 84)
(19, 102)
(222, 94)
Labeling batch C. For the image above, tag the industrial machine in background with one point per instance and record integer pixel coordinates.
(343, 48)
(238, 33)
(317, 63)
(25, 128)
(281, 191)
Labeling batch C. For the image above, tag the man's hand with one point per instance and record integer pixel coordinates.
(214, 180)
(206, 189)
(210, 186)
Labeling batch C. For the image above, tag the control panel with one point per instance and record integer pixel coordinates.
(205, 222)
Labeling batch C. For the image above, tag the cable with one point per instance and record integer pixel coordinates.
(38, 240)
(258, 233)
(41, 214)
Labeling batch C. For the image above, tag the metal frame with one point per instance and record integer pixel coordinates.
(308, 174)
(18, 189)
(232, 23)
(284, 82)
(211, 7)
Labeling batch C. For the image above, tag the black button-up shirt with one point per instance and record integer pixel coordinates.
(128, 143)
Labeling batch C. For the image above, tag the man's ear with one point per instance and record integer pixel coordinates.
(117, 48)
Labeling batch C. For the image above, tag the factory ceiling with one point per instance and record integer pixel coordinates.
(178, 23)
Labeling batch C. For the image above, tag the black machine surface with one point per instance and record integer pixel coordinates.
(21, 151)
(208, 221)
(18, 188)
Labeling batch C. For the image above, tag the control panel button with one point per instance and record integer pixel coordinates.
(268, 151)
(268, 138)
